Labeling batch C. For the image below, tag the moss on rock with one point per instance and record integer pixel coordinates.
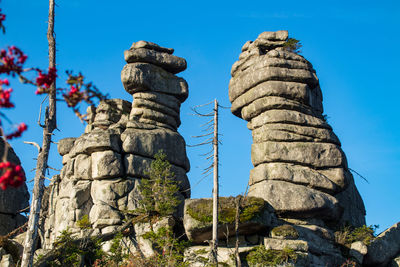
(251, 207)
(286, 231)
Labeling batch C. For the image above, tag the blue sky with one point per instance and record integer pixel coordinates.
(352, 45)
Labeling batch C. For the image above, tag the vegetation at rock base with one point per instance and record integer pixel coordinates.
(168, 248)
(261, 256)
(70, 253)
(286, 231)
(348, 235)
(84, 222)
(251, 207)
(159, 191)
(293, 45)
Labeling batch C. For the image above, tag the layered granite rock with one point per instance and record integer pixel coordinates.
(103, 168)
(299, 166)
(13, 201)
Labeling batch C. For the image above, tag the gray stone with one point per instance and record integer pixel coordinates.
(352, 204)
(153, 115)
(148, 124)
(291, 90)
(320, 240)
(7, 261)
(249, 78)
(358, 251)
(147, 143)
(246, 45)
(287, 116)
(280, 244)
(65, 145)
(318, 155)
(395, 262)
(106, 164)
(169, 101)
(83, 167)
(111, 191)
(80, 194)
(142, 77)
(67, 170)
(296, 200)
(152, 46)
(111, 111)
(195, 255)
(166, 61)
(96, 140)
(278, 35)
(384, 248)
(199, 232)
(294, 174)
(285, 54)
(289, 132)
(148, 104)
(273, 102)
(102, 215)
(138, 166)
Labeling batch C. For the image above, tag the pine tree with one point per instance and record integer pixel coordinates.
(159, 192)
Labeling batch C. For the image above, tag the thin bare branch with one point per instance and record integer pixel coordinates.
(40, 112)
(54, 169)
(208, 153)
(365, 179)
(33, 144)
(202, 105)
(208, 122)
(198, 136)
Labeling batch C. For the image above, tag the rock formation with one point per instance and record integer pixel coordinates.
(12, 200)
(103, 167)
(299, 166)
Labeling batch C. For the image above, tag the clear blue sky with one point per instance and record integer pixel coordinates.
(352, 45)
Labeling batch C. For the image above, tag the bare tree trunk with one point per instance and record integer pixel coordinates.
(50, 124)
(237, 217)
(214, 242)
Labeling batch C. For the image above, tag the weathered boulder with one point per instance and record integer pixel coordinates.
(197, 220)
(296, 174)
(296, 200)
(384, 248)
(147, 143)
(144, 77)
(164, 60)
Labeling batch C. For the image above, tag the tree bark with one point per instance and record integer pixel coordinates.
(214, 242)
(50, 125)
(237, 217)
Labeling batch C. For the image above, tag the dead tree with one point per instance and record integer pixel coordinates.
(50, 124)
(212, 129)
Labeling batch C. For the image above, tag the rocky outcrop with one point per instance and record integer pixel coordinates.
(13, 201)
(384, 248)
(103, 168)
(299, 166)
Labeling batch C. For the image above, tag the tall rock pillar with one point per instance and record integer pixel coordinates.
(299, 166)
(104, 166)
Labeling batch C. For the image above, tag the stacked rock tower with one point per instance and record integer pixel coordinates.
(299, 166)
(103, 167)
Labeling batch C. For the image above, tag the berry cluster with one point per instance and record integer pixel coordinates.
(22, 127)
(5, 95)
(12, 60)
(44, 81)
(13, 175)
